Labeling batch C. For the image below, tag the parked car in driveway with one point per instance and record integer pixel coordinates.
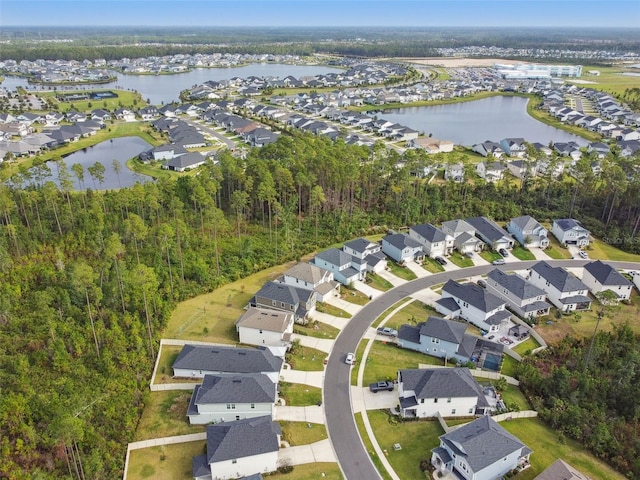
(441, 260)
(379, 386)
(387, 332)
(499, 261)
(583, 254)
(503, 252)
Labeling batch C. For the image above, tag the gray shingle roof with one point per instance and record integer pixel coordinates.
(306, 272)
(429, 232)
(409, 333)
(242, 438)
(440, 383)
(473, 295)
(401, 241)
(488, 228)
(558, 277)
(246, 388)
(482, 443)
(282, 292)
(227, 359)
(335, 257)
(560, 470)
(443, 329)
(200, 467)
(516, 284)
(605, 274)
(360, 245)
(569, 223)
(526, 222)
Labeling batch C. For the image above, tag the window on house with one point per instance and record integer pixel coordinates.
(422, 400)
(274, 303)
(260, 330)
(471, 410)
(228, 406)
(234, 461)
(435, 340)
(253, 405)
(435, 400)
(281, 304)
(449, 400)
(453, 411)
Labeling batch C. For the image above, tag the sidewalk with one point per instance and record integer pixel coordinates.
(315, 452)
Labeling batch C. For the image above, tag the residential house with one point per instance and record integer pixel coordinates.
(464, 236)
(185, 162)
(523, 298)
(570, 232)
(449, 392)
(402, 248)
(125, 114)
(196, 361)
(600, 276)
(488, 148)
(491, 233)
(239, 449)
(563, 288)
(522, 169)
(491, 172)
(561, 470)
(514, 147)
(636, 281)
(528, 232)
(455, 172)
(310, 277)
(601, 149)
(480, 450)
(226, 398)
(473, 303)
(431, 145)
(367, 251)
(280, 296)
(442, 338)
(265, 327)
(345, 268)
(435, 242)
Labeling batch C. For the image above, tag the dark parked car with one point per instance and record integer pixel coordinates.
(441, 260)
(379, 386)
(503, 252)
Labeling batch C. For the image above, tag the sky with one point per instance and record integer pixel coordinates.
(276, 13)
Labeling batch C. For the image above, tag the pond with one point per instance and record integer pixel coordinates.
(468, 123)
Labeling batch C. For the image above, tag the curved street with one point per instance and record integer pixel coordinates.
(353, 458)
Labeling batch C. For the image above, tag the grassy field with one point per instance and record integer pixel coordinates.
(430, 265)
(461, 261)
(332, 310)
(406, 461)
(600, 250)
(490, 255)
(513, 395)
(522, 253)
(523, 347)
(165, 414)
(354, 296)
(311, 471)
(300, 395)
(555, 250)
(155, 170)
(611, 80)
(547, 447)
(369, 446)
(302, 433)
(306, 358)
(165, 372)
(413, 313)
(167, 462)
(385, 359)
(377, 282)
(211, 317)
(125, 98)
(401, 272)
(317, 330)
(508, 366)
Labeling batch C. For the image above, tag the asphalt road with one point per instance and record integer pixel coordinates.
(352, 456)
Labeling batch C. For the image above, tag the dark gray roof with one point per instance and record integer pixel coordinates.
(559, 277)
(443, 454)
(401, 241)
(448, 303)
(360, 245)
(498, 317)
(429, 232)
(488, 228)
(227, 359)
(246, 388)
(516, 284)
(185, 161)
(440, 382)
(561, 470)
(200, 466)
(526, 222)
(410, 333)
(569, 223)
(443, 329)
(242, 438)
(482, 443)
(473, 295)
(605, 274)
(574, 299)
(335, 257)
(281, 292)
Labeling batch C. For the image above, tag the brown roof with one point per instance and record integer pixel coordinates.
(271, 320)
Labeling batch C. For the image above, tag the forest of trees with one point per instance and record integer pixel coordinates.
(89, 278)
(590, 393)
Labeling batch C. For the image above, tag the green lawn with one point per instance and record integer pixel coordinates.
(547, 447)
(306, 358)
(523, 347)
(300, 395)
(509, 366)
(490, 255)
(302, 433)
(354, 296)
(369, 446)
(430, 265)
(385, 359)
(401, 272)
(413, 313)
(165, 372)
(513, 395)
(168, 462)
(332, 310)
(125, 98)
(165, 414)
(555, 250)
(316, 329)
(522, 253)
(406, 461)
(600, 250)
(461, 261)
(310, 471)
(379, 283)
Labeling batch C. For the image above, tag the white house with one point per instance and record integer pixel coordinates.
(402, 248)
(451, 392)
(455, 172)
(570, 232)
(491, 233)
(435, 242)
(524, 298)
(239, 449)
(480, 450)
(345, 268)
(367, 251)
(475, 304)
(491, 172)
(310, 277)
(464, 236)
(266, 327)
(528, 232)
(599, 276)
(563, 288)
(226, 398)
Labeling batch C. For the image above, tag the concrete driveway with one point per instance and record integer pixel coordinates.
(312, 414)
(315, 379)
(391, 278)
(315, 452)
(322, 344)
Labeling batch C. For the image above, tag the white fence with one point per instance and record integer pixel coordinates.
(514, 415)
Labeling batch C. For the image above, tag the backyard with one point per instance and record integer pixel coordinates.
(165, 415)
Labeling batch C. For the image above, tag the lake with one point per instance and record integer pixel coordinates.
(468, 123)
(161, 89)
(121, 149)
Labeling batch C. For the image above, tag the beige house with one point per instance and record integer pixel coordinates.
(265, 327)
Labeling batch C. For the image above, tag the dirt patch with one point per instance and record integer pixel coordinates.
(455, 62)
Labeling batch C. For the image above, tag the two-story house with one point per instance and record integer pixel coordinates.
(435, 242)
(475, 304)
(464, 236)
(367, 251)
(523, 298)
(528, 232)
(480, 450)
(490, 171)
(310, 277)
(225, 398)
(402, 248)
(450, 392)
(570, 232)
(564, 290)
(346, 269)
(491, 233)
(600, 276)
(279, 296)
(265, 327)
